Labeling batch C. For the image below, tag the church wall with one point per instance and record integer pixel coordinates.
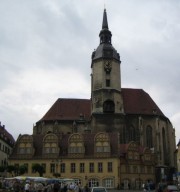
(99, 75)
(62, 127)
(115, 76)
(163, 144)
(106, 122)
(97, 72)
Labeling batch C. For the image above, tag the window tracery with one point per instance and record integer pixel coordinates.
(26, 145)
(50, 144)
(102, 143)
(76, 144)
(149, 139)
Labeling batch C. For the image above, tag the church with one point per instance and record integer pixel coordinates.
(117, 138)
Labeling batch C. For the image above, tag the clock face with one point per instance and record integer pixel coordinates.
(107, 65)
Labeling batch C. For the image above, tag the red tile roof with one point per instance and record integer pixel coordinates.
(136, 101)
(69, 109)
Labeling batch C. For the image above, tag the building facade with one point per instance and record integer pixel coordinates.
(119, 137)
(6, 145)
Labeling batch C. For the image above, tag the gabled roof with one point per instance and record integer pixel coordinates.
(136, 102)
(69, 109)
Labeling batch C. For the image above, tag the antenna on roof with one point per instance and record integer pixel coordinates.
(104, 5)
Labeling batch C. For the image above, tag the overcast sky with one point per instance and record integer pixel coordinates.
(46, 47)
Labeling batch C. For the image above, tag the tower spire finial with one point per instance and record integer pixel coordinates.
(105, 22)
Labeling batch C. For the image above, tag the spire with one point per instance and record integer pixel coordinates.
(105, 22)
(105, 34)
(105, 48)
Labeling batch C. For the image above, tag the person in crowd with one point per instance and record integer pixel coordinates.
(65, 188)
(16, 186)
(80, 187)
(49, 187)
(76, 187)
(86, 188)
(27, 186)
(56, 186)
(71, 187)
(40, 187)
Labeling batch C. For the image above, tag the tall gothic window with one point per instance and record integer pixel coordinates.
(133, 134)
(123, 135)
(164, 145)
(149, 139)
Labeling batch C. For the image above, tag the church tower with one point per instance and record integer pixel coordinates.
(107, 102)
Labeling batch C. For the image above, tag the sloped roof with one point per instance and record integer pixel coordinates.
(136, 101)
(69, 109)
(6, 136)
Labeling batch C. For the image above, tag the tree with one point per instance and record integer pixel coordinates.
(10, 168)
(22, 169)
(2, 168)
(38, 168)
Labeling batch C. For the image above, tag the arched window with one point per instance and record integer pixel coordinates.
(133, 134)
(123, 135)
(26, 145)
(164, 145)
(149, 139)
(76, 144)
(108, 182)
(93, 182)
(108, 106)
(50, 144)
(102, 143)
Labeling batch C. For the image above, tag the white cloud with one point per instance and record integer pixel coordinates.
(46, 46)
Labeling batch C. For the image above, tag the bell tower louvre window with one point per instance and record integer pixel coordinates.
(108, 106)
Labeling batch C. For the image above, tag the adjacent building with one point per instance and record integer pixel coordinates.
(117, 138)
(6, 145)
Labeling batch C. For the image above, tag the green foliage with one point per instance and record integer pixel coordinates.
(56, 175)
(22, 169)
(38, 168)
(2, 168)
(11, 168)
